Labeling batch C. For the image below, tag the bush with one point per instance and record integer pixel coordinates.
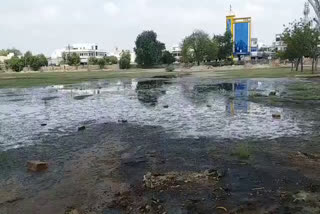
(167, 58)
(15, 63)
(242, 151)
(101, 63)
(111, 60)
(170, 68)
(125, 60)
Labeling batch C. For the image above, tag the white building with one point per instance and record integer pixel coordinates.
(85, 51)
(117, 53)
(4, 58)
(279, 44)
(176, 52)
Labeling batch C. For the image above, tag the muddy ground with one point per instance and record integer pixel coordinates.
(123, 167)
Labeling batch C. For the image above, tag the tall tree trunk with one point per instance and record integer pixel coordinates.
(316, 64)
(292, 65)
(297, 64)
(313, 64)
(301, 64)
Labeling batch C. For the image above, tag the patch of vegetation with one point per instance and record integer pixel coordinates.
(170, 68)
(25, 80)
(3, 158)
(242, 151)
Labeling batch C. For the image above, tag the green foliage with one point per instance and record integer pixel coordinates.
(302, 41)
(225, 45)
(167, 58)
(242, 151)
(15, 63)
(170, 68)
(8, 51)
(101, 63)
(198, 47)
(148, 49)
(93, 61)
(112, 60)
(36, 62)
(125, 60)
(73, 59)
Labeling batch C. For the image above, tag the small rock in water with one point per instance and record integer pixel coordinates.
(37, 166)
(43, 124)
(165, 106)
(123, 121)
(273, 93)
(209, 106)
(82, 128)
(276, 116)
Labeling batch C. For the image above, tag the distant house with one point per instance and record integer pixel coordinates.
(176, 52)
(279, 44)
(85, 51)
(4, 58)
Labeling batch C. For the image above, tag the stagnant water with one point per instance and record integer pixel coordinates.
(185, 107)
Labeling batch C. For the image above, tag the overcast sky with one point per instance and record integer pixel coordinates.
(45, 25)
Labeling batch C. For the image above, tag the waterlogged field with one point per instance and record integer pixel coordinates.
(162, 145)
(186, 107)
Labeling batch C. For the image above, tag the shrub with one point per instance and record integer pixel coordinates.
(15, 63)
(125, 60)
(101, 63)
(242, 151)
(170, 68)
(167, 58)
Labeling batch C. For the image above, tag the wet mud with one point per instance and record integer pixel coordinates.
(151, 167)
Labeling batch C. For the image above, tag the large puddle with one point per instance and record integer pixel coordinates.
(185, 107)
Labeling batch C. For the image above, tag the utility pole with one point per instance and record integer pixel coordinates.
(306, 12)
(316, 7)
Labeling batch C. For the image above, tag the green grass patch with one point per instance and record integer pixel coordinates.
(25, 80)
(242, 151)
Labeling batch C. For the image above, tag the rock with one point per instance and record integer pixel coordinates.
(123, 121)
(209, 106)
(165, 106)
(276, 116)
(37, 166)
(72, 211)
(82, 128)
(273, 93)
(43, 124)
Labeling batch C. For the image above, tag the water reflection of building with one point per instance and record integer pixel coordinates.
(239, 100)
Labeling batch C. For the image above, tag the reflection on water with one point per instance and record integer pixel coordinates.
(196, 108)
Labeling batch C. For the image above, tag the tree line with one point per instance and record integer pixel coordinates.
(302, 40)
(18, 63)
(196, 48)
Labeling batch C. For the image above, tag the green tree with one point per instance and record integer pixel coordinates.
(93, 61)
(113, 60)
(125, 60)
(36, 62)
(15, 63)
(28, 57)
(101, 63)
(225, 45)
(167, 58)
(16, 52)
(73, 59)
(148, 49)
(198, 47)
(302, 41)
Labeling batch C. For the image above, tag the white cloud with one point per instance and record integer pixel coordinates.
(111, 8)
